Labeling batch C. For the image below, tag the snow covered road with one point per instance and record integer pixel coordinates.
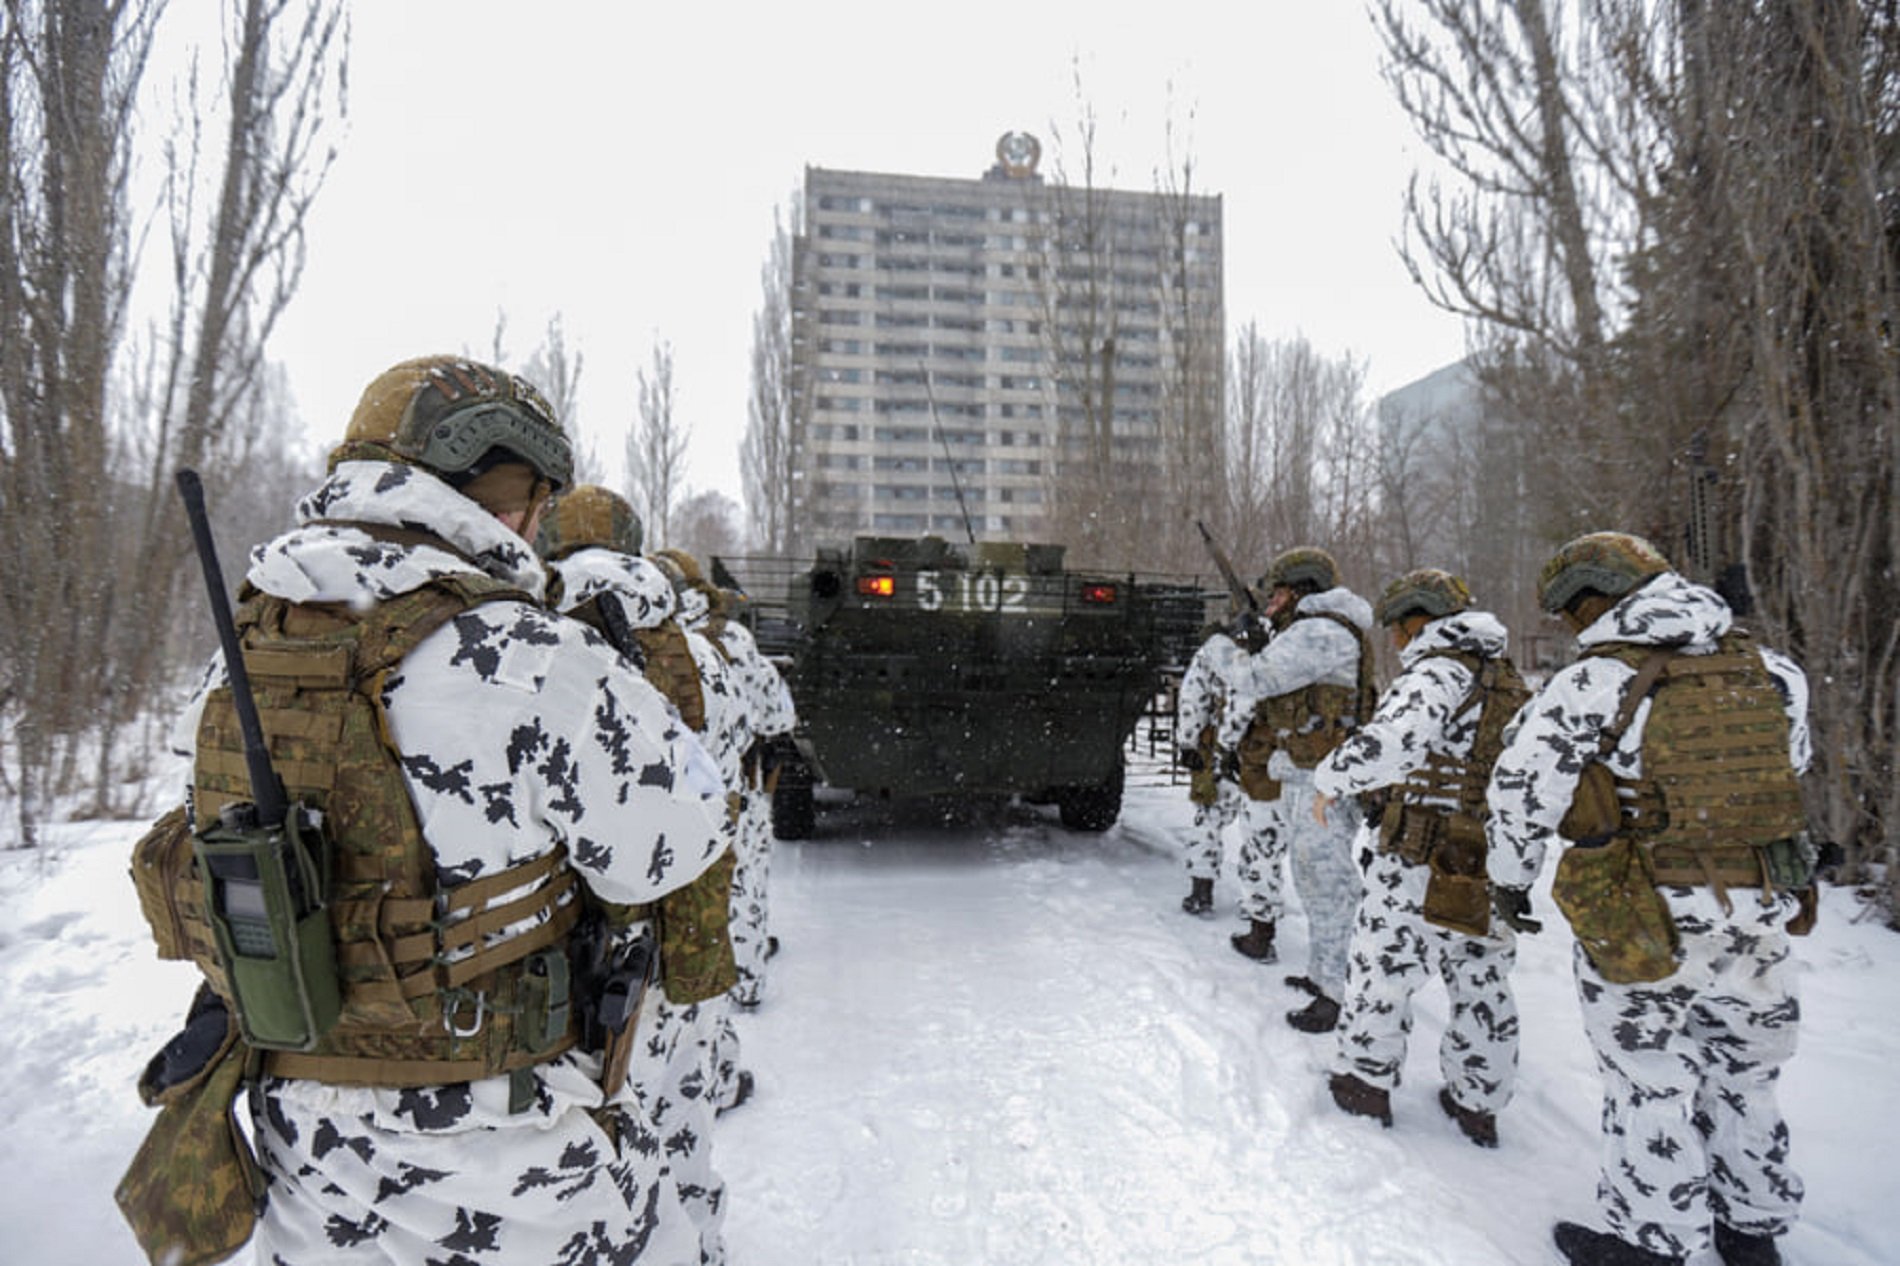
(994, 1042)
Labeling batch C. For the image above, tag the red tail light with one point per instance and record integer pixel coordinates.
(877, 586)
(1103, 594)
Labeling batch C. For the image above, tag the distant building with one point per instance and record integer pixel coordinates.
(985, 299)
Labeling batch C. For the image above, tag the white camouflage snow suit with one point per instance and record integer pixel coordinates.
(519, 731)
(1394, 948)
(1207, 692)
(767, 704)
(1690, 1123)
(1311, 650)
(692, 1048)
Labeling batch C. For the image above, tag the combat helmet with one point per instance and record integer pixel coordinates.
(1426, 591)
(1610, 563)
(447, 413)
(685, 564)
(1305, 565)
(589, 515)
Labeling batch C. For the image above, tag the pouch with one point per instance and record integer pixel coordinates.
(161, 866)
(1608, 893)
(192, 1191)
(1458, 894)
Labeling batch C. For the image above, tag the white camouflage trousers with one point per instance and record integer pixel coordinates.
(1201, 847)
(750, 904)
(1326, 879)
(1261, 864)
(686, 1103)
(1691, 1128)
(560, 1192)
(1394, 951)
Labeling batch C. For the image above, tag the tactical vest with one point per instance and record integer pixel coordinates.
(1444, 797)
(696, 956)
(1718, 802)
(433, 992)
(1308, 723)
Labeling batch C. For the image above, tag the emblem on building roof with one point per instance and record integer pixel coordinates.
(1018, 153)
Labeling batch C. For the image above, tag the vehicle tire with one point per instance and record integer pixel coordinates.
(1092, 808)
(794, 809)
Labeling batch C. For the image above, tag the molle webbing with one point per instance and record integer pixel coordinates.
(1310, 722)
(1718, 798)
(671, 670)
(427, 998)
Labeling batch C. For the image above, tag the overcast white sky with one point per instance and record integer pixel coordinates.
(619, 164)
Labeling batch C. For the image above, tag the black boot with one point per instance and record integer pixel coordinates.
(1256, 942)
(1361, 1098)
(1200, 899)
(1480, 1127)
(1738, 1248)
(1582, 1246)
(1321, 1015)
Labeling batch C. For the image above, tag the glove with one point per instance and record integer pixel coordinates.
(1249, 632)
(1190, 759)
(1513, 906)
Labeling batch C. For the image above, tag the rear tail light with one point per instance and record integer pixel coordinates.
(877, 586)
(1100, 594)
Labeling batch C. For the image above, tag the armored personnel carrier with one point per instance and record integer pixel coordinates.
(923, 668)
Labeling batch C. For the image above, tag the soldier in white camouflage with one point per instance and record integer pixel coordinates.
(1207, 690)
(1309, 687)
(1426, 911)
(530, 757)
(1665, 763)
(592, 539)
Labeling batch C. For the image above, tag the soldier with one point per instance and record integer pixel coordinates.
(591, 539)
(1308, 688)
(1206, 691)
(495, 764)
(1668, 758)
(1428, 751)
(768, 706)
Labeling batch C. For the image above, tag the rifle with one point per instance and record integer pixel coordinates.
(1241, 593)
(264, 863)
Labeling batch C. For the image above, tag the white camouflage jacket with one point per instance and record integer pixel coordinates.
(1307, 652)
(646, 600)
(519, 731)
(761, 688)
(1207, 689)
(1558, 731)
(1418, 712)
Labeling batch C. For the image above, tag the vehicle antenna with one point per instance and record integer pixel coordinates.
(955, 484)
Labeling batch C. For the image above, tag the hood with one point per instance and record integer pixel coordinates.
(1338, 601)
(645, 594)
(1668, 611)
(693, 608)
(1471, 632)
(322, 561)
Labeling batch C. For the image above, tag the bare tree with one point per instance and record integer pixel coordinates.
(108, 556)
(656, 448)
(1192, 332)
(778, 406)
(71, 75)
(1676, 236)
(707, 523)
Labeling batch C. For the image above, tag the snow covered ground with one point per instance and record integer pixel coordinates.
(994, 1041)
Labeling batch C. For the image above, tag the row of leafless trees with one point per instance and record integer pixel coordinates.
(97, 409)
(1674, 225)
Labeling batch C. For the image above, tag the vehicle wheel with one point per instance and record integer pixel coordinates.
(794, 810)
(1092, 808)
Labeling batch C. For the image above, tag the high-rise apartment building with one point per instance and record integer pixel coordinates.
(970, 336)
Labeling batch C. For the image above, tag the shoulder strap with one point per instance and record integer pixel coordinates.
(1649, 673)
